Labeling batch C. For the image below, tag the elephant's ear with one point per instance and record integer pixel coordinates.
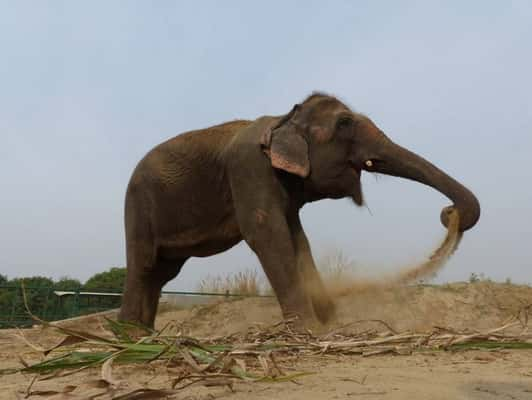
(286, 147)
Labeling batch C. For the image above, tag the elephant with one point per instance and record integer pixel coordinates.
(202, 192)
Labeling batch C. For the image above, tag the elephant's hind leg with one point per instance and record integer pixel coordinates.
(146, 275)
(140, 263)
(163, 272)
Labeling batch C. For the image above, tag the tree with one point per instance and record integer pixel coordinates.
(66, 283)
(112, 280)
(39, 294)
(43, 302)
(33, 282)
(6, 301)
(108, 281)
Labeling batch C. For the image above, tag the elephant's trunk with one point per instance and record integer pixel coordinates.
(392, 159)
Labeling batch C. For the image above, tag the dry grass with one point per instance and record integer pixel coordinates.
(246, 283)
(262, 354)
(272, 352)
(335, 268)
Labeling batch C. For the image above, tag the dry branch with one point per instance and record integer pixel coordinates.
(260, 354)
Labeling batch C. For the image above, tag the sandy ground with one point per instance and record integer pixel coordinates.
(497, 374)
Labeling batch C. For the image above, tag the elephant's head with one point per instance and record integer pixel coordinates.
(328, 145)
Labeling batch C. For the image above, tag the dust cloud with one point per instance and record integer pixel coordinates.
(408, 275)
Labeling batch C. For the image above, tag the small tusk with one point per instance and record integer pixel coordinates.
(369, 163)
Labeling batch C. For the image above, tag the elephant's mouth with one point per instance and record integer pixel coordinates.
(356, 193)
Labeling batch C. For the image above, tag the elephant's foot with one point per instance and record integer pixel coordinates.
(134, 330)
(139, 305)
(298, 313)
(299, 325)
(308, 311)
(302, 320)
(305, 326)
(324, 308)
(132, 319)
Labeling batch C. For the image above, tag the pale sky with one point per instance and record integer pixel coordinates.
(87, 88)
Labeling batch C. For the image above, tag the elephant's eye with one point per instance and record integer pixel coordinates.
(343, 123)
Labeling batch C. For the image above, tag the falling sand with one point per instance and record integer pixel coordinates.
(425, 270)
(439, 257)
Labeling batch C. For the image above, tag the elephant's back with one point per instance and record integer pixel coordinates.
(192, 147)
(183, 181)
(213, 138)
(187, 159)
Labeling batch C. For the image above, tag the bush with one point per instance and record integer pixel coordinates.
(66, 283)
(44, 303)
(112, 280)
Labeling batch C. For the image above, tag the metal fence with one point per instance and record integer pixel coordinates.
(52, 304)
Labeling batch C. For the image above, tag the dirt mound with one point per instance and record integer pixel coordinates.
(416, 308)
(439, 375)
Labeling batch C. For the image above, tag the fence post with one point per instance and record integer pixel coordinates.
(76, 302)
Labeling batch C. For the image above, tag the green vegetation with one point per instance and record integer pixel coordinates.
(205, 361)
(112, 281)
(254, 356)
(45, 302)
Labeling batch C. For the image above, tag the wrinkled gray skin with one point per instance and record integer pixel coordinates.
(202, 192)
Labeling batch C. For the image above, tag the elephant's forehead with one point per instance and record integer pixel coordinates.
(366, 124)
(325, 106)
(323, 114)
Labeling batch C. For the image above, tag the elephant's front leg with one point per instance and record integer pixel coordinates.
(323, 305)
(268, 235)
